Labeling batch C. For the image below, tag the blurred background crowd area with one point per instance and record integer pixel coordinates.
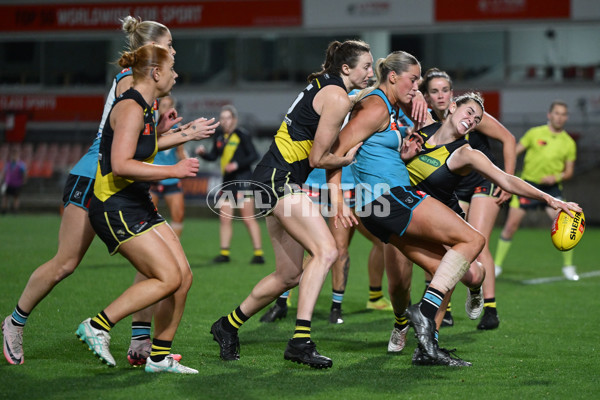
(57, 62)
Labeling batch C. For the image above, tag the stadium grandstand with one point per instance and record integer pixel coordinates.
(57, 60)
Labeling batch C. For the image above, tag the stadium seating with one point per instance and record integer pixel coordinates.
(43, 160)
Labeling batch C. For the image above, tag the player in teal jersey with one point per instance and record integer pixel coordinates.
(394, 211)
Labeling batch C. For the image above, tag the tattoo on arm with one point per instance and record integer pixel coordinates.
(192, 127)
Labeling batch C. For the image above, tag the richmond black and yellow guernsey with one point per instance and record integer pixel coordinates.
(429, 170)
(117, 192)
(294, 139)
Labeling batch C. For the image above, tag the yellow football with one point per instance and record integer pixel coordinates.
(566, 231)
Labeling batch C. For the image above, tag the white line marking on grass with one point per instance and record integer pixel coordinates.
(589, 274)
(539, 281)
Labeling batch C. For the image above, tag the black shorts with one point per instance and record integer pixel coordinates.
(117, 227)
(482, 188)
(238, 189)
(78, 191)
(271, 184)
(13, 190)
(531, 204)
(391, 213)
(165, 190)
(454, 205)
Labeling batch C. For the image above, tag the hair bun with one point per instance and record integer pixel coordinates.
(130, 24)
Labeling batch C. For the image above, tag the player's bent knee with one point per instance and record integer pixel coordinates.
(65, 269)
(324, 254)
(477, 242)
(289, 282)
(331, 257)
(474, 276)
(292, 283)
(480, 271)
(172, 282)
(329, 254)
(186, 280)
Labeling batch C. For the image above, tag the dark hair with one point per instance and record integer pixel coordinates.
(144, 58)
(558, 103)
(467, 97)
(142, 32)
(339, 54)
(431, 74)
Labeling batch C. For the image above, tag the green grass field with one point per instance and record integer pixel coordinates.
(546, 345)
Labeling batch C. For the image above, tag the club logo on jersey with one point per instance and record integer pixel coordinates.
(430, 160)
(541, 142)
(146, 130)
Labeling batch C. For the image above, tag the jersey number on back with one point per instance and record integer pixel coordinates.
(300, 96)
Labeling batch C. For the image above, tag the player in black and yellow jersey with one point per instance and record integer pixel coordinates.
(75, 233)
(303, 142)
(446, 157)
(235, 148)
(430, 173)
(123, 216)
(478, 197)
